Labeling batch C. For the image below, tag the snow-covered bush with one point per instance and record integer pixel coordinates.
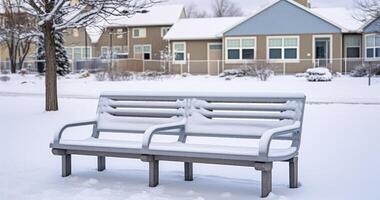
(185, 75)
(363, 70)
(319, 74)
(261, 71)
(84, 74)
(152, 75)
(101, 76)
(5, 78)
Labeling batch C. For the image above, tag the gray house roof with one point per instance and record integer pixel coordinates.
(285, 17)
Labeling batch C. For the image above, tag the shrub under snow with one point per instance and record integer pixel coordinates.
(319, 74)
(261, 71)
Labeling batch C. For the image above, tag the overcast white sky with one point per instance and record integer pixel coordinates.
(250, 5)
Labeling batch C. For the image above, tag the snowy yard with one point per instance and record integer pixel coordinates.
(339, 157)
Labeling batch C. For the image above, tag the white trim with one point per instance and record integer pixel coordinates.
(283, 59)
(374, 48)
(141, 30)
(240, 60)
(208, 54)
(331, 47)
(184, 53)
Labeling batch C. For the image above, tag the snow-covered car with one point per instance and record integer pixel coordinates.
(319, 74)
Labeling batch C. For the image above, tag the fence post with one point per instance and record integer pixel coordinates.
(188, 63)
(181, 70)
(143, 61)
(284, 68)
(345, 65)
(218, 67)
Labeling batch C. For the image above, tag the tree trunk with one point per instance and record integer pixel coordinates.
(51, 68)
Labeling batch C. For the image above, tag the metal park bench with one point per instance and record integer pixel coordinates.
(260, 116)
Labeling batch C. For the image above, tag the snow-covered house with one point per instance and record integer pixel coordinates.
(284, 31)
(139, 36)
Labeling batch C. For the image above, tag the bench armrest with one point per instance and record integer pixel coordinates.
(59, 134)
(148, 135)
(267, 137)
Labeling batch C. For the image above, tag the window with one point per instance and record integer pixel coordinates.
(78, 53)
(283, 48)
(119, 33)
(139, 33)
(164, 31)
(179, 51)
(373, 46)
(105, 51)
(352, 44)
(75, 32)
(143, 51)
(239, 49)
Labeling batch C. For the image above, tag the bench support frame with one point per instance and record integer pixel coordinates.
(293, 172)
(101, 163)
(66, 165)
(266, 177)
(188, 171)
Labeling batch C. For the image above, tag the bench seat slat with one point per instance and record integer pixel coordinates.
(136, 112)
(245, 106)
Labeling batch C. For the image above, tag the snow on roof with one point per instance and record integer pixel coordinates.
(341, 16)
(94, 33)
(156, 15)
(201, 28)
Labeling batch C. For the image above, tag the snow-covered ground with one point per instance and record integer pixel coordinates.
(340, 90)
(339, 157)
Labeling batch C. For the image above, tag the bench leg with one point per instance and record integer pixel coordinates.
(266, 178)
(66, 165)
(101, 163)
(188, 171)
(153, 173)
(293, 172)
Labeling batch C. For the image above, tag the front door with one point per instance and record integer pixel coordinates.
(322, 52)
(214, 58)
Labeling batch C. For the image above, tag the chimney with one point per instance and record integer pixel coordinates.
(303, 2)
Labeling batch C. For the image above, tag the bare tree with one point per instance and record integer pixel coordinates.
(17, 32)
(226, 8)
(192, 11)
(75, 14)
(367, 10)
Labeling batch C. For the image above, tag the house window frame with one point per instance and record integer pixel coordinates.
(119, 33)
(373, 48)
(240, 48)
(82, 50)
(164, 31)
(142, 50)
(142, 33)
(184, 51)
(283, 49)
(346, 47)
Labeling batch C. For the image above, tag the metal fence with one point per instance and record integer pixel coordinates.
(211, 67)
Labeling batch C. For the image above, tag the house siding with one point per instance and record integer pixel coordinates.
(305, 54)
(153, 37)
(104, 40)
(198, 51)
(283, 18)
(373, 27)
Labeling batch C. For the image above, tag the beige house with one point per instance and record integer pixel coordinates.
(287, 35)
(138, 37)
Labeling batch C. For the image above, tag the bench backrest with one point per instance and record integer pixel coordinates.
(238, 115)
(135, 113)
